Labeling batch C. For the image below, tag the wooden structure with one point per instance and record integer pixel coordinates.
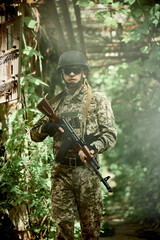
(68, 26)
(63, 26)
(9, 58)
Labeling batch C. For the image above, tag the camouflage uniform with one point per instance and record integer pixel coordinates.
(79, 187)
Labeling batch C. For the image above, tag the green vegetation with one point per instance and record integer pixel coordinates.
(134, 89)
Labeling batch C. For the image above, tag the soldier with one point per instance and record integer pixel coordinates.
(74, 184)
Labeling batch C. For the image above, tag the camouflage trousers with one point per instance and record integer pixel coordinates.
(76, 189)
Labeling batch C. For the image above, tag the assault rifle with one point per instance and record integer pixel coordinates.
(71, 136)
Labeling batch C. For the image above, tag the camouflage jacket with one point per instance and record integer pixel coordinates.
(100, 126)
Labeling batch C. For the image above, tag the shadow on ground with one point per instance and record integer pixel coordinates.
(118, 230)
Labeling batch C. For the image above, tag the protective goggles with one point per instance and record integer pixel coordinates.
(69, 70)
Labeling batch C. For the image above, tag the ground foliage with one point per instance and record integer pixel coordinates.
(25, 167)
(133, 87)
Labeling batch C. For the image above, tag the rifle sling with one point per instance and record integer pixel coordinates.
(86, 109)
(57, 99)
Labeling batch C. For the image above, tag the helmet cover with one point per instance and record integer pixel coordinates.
(73, 58)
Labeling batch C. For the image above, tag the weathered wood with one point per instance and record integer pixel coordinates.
(8, 86)
(79, 26)
(52, 11)
(9, 55)
(68, 23)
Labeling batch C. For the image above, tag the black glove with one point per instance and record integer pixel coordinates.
(50, 128)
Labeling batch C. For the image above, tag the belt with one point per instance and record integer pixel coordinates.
(71, 162)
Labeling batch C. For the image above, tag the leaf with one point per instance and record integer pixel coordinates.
(155, 22)
(130, 1)
(22, 79)
(110, 21)
(37, 53)
(116, 5)
(86, 3)
(126, 39)
(30, 23)
(21, 111)
(106, 1)
(157, 14)
(137, 12)
(100, 15)
(36, 81)
(157, 7)
(29, 51)
(145, 49)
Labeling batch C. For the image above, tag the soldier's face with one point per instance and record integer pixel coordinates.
(73, 74)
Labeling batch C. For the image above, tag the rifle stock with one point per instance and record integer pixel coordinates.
(45, 108)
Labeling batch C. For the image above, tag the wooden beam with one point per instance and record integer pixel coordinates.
(6, 87)
(68, 23)
(79, 25)
(52, 11)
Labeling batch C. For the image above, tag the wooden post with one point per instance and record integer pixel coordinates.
(79, 25)
(52, 11)
(68, 23)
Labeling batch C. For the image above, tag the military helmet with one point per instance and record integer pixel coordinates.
(72, 58)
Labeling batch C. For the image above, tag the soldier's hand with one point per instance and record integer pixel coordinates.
(51, 128)
(83, 157)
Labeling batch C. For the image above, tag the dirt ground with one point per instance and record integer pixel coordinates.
(130, 231)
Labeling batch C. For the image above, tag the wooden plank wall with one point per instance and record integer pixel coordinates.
(9, 59)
